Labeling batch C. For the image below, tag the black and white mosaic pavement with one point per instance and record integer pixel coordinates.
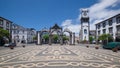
(57, 56)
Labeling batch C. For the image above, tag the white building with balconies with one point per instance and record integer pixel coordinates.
(109, 26)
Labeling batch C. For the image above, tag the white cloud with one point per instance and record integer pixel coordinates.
(100, 11)
(72, 27)
(67, 22)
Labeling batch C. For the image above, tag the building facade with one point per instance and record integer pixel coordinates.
(6, 25)
(85, 26)
(22, 35)
(109, 26)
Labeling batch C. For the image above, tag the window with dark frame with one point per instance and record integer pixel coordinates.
(98, 32)
(118, 28)
(7, 24)
(1, 22)
(98, 26)
(118, 20)
(111, 30)
(110, 22)
(104, 31)
(103, 24)
(85, 31)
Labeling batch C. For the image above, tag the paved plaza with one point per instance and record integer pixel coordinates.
(58, 56)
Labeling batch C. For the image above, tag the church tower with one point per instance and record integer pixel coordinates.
(85, 26)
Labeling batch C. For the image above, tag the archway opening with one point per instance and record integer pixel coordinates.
(45, 37)
(55, 39)
(66, 38)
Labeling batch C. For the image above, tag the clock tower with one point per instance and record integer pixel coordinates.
(85, 26)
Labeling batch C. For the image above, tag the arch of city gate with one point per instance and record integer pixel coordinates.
(59, 32)
(70, 35)
(41, 34)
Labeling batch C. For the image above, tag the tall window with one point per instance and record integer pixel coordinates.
(118, 28)
(103, 24)
(17, 31)
(118, 20)
(7, 24)
(98, 26)
(98, 32)
(1, 22)
(104, 31)
(23, 37)
(85, 31)
(23, 31)
(111, 30)
(110, 22)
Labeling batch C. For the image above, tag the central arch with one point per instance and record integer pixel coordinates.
(58, 31)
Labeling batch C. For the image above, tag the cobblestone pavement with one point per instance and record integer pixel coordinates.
(57, 56)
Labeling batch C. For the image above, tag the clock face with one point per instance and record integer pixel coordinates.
(85, 13)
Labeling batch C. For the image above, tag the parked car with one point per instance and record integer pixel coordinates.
(94, 42)
(13, 44)
(112, 45)
(10, 44)
(6, 45)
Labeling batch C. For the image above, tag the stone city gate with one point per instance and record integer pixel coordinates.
(59, 32)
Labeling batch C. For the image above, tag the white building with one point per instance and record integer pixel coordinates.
(5, 24)
(21, 34)
(109, 26)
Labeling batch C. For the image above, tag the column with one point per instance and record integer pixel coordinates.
(38, 37)
(61, 39)
(114, 28)
(73, 38)
(50, 39)
(70, 38)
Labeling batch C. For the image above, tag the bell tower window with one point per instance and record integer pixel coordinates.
(85, 31)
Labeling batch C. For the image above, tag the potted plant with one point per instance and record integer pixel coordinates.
(115, 49)
(87, 46)
(96, 47)
(23, 45)
(11, 47)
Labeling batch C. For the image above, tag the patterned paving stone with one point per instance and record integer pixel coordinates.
(58, 57)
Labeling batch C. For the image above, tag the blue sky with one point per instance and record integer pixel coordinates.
(66, 13)
(41, 13)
